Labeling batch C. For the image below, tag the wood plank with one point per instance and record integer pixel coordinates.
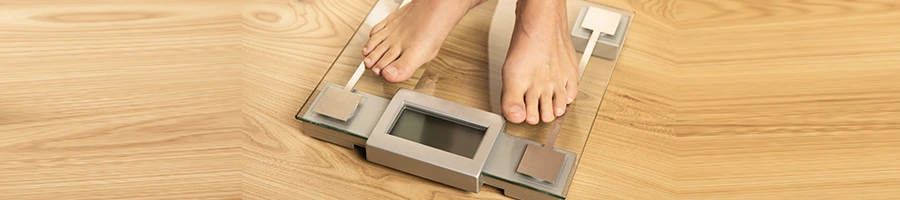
(119, 99)
(788, 100)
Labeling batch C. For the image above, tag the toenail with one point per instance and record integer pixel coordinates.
(393, 71)
(515, 110)
(377, 71)
(367, 60)
(366, 49)
(532, 118)
(570, 99)
(559, 110)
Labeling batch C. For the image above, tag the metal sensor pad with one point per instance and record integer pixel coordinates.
(341, 104)
(338, 104)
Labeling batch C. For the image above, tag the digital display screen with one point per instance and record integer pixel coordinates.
(437, 132)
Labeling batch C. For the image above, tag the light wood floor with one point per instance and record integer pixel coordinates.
(175, 99)
(119, 99)
(788, 100)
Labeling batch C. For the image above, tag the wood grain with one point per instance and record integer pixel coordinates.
(788, 100)
(630, 153)
(139, 100)
(119, 100)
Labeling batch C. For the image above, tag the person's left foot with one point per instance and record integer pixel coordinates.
(411, 36)
(539, 75)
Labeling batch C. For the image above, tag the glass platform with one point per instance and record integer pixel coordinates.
(468, 71)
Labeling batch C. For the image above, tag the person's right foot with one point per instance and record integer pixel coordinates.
(411, 36)
(539, 76)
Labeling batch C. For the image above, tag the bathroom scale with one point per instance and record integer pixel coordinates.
(445, 124)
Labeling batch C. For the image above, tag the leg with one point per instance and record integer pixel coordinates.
(539, 75)
(411, 36)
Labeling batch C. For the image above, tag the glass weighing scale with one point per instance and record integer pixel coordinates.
(445, 123)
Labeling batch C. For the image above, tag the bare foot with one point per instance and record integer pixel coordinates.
(411, 36)
(539, 75)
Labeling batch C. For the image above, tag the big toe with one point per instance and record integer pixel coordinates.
(515, 113)
(513, 107)
(399, 71)
(571, 91)
(395, 73)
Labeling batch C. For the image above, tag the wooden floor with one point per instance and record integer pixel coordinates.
(788, 100)
(119, 99)
(175, 99)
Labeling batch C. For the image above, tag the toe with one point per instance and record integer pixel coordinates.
(546, 107)
(378, 27)
(513, 103)
(390, 19)
(571, 90)
(389, 57)
(400, 70)
(376, 71)
(559, 101)
(532, 98)
(374, 42)
(375, 55)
